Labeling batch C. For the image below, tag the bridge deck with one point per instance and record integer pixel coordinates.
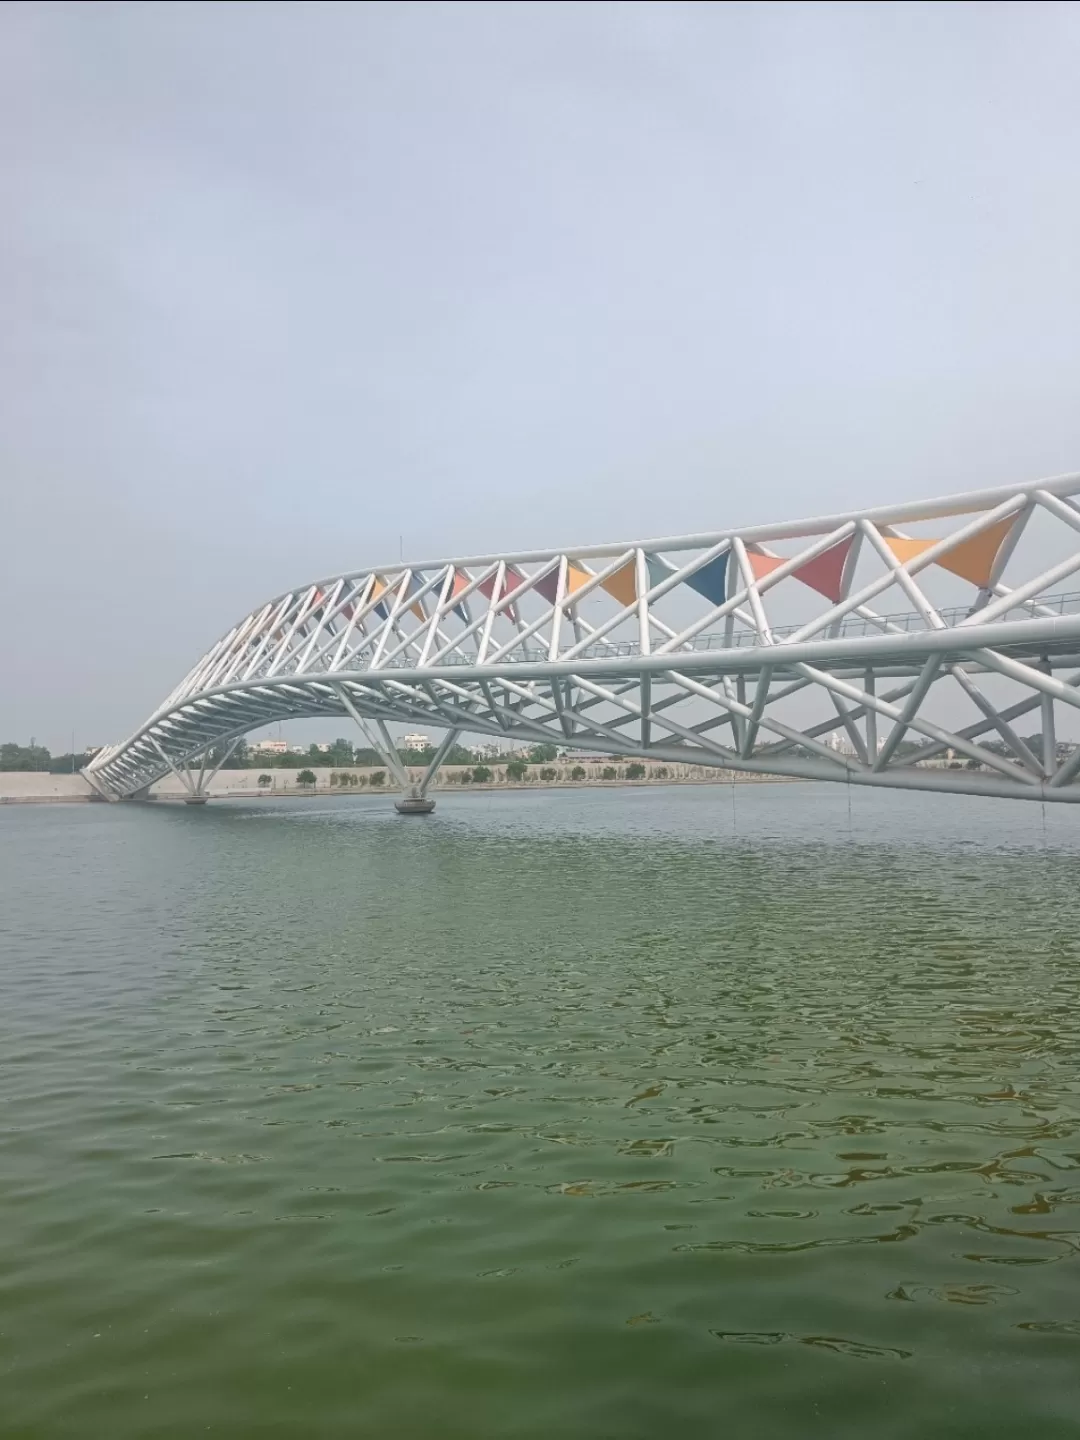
(668, 648)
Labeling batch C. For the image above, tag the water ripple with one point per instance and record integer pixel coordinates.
(582, 1113)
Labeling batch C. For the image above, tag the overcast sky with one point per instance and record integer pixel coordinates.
(280, 283)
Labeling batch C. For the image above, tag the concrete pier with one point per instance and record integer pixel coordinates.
(413, 805)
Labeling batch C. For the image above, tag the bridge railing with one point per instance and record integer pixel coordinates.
(853, 627)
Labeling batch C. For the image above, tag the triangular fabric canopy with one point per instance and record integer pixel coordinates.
(906, 550)
(461, 582)
(576, 577)
(511, 582)
(417, 608)
(762, 565)
(658, 569)
(548, 586)
(361, 596)
(312, 609)
(711, 579)
(379, 588)
(825, 573)
(974, 559)
(623, 583)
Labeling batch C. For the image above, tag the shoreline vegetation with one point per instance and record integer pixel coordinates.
(566, 775)
(29, 774)
(43, 788)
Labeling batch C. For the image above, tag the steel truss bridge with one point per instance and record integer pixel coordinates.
(908, 646)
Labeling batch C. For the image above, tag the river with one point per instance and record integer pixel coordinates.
(684, 1112)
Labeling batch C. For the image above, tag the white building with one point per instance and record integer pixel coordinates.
(415, 742)
(269, 747)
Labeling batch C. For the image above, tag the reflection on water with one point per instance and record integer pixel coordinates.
(622, 1113)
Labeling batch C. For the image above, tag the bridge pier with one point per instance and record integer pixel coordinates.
(198, 788)
(414, 805)
(414, 797)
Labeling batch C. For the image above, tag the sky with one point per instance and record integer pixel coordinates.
(286, 286)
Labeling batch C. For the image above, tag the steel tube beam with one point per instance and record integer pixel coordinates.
(579, 645)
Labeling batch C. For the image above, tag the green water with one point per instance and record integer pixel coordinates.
(608, 1114)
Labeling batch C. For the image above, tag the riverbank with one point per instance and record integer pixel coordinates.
(33, 788)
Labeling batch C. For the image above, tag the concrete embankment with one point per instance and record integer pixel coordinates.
(21, 787)
(33, 787)
(244, 784)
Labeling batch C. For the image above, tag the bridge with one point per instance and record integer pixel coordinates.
(908, 646)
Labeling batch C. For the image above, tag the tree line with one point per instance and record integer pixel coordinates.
(37, 757)
(341, 754)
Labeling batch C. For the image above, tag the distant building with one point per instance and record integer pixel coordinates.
(415, 742)
(842, 747)
(269, 747)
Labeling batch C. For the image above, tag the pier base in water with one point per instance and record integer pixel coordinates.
(414, 805)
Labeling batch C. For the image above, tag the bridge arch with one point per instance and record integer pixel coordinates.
(900, 647)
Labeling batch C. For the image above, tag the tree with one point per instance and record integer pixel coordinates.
(542, 754)
(365, 757)
(264, 780)
(68, 764)
(481, 775)
(547, 773)
(24, 757)
(609, 773)
(341, 752)
(636, 771)
(516, 770)
(578, 772)
(378, 778)
(237, 760)
(662, 773)
(306, 778)
(464, 777)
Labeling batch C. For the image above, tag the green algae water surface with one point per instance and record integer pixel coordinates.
(601, 1114)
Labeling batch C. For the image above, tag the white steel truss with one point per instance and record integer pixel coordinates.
(855, 647)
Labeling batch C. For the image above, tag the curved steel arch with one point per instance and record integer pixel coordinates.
(670, 648)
